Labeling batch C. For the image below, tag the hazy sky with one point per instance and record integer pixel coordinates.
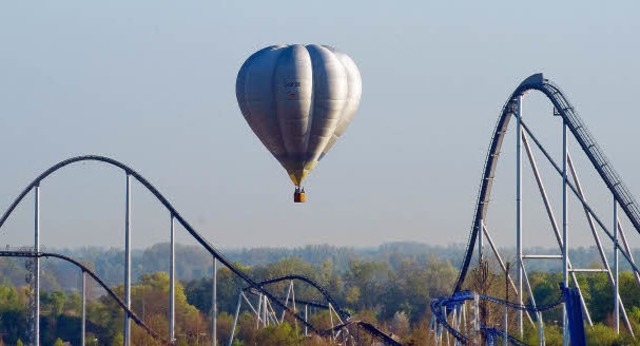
(152, 84)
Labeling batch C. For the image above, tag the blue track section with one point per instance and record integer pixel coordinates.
(441, 306)
(574, 313)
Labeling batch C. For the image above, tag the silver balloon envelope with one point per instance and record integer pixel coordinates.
(298, 100)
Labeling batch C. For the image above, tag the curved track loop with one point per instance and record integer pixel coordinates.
(95, 277)
(210, 248)
(367, 327)
(586, 141)
(437, 307)
(343, 313)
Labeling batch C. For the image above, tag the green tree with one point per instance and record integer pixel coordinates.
(601, 335)
(118, 340)
(58, 342)
(13, 314)
(282, 334)
(369, 277)
(601, 297)
(199, 291)
(224, 324)
(58, 300)
(9, 298)
(73, 303)
(629, 289)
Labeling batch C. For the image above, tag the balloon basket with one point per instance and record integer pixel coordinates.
(299, 197)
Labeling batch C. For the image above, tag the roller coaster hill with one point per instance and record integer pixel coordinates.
(271, 308)
(459, 319)
(462, 318)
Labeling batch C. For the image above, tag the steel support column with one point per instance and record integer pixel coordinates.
(214, 304)
(306, 317)
(627, 252)
(172, 281)
(616, 289)
(552, 217)
(541, 338)
(565, 234)
(519, 208)
(506, 308)
(480, 242)
(592, 220)
(84, 309)
(36, 261)
(235, 319)
(127, 261)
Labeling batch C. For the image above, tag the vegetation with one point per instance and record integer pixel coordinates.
(391, 290)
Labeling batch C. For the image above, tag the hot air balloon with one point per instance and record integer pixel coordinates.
(298, 99)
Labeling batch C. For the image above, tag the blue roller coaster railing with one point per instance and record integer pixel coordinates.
(492, 334)
(572, 189)
(440, 307)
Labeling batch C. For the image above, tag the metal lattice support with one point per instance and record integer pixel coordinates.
(215, 253)
(34, 186)
(573, 126)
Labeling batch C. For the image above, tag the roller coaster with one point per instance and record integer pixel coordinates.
(344, 330)
(621, 197)
(217, 255)
(447, 312)
(339, 318)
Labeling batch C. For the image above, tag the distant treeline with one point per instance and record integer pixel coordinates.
(193, 262)
(390, 286)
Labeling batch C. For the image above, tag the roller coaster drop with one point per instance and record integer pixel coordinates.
(174, 216)
(621, 197)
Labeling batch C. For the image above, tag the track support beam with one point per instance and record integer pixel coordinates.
(172, 281)
(565, 234)
(519, 268)
(36, 269)
(616, 276)
(127, 261)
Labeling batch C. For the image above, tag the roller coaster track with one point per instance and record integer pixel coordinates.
(343, 313)
(495, 331)
(587, 143)
(438, 308)
(129, 171)
(217, 254)
(367, 327)
(85, 269)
